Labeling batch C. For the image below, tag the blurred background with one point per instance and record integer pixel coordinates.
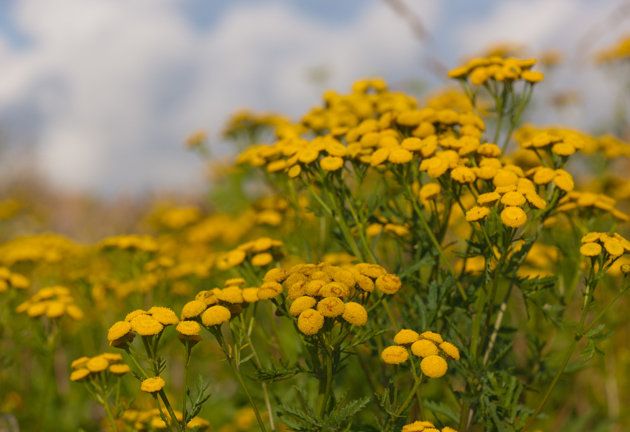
(97, 97)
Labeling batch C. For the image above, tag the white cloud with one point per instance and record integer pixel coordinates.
(109, 89)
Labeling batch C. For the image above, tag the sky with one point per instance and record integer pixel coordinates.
(99, 95)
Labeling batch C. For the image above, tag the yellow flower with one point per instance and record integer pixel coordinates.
(400, 155)
(613, 246)
(388, 283)
(355, 314)
(131, 315)
(80, 362)
(97, 364)
(189, 330)
(513, 198)
(591, 237)
(262, 259)
(418, 426)
(163, 315)
(146, 325)
(331, 307)
(193, 309)
(300, 304)
(590, 249)
(232, 294)
(118, 332)
(424, 348)
(433, 366)
(152, 385)
(119, 369)
(250, 295)
(79, 374)
(513, 217)
(432, 336)
(406, 336)
(331, 163)
(563, 180)
(310, 322)
(463, 174)
(477, 213)
(215, 315)
(451, 350)
(269, 290)
(394, 354)
(488, 198)
(429, 191)
(532, 76)
(55, 309)
(334, 289)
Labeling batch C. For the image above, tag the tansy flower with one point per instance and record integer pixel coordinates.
(193, 309)
(406, 336)
(419, 426)
(97, 364)
(394, 354)
(310, 322)
(269, 290)
(400, 155)
(250, 295)
(355, 314)
(189, 331)
(388, 283)
(215, 315)
(145, 325)
(433, 366)
(300, 304)
(118, 333)
(590, 249)
(79, 374)
(451, 350)
(331, 163)
(119, 369)
(513, 198)
(152, 385)
(163, 315)
(513, 217)
(429, 191)
(613, 246)
(331, 307)
(477, 213)
(432, 336)
(424, 348)
(261, 259)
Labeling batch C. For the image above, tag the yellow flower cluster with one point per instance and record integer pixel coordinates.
(428, 345)
(515, 191)
(480, 70)
(52, 302)
(144, 323)
(259, 253)
(142, 243)
(619, 51)
(216, 306)
(151, 420)
(589, 201)
(246, 122)
(595, 244)
(318, 292)
(98, 367)
(175, 218)
(47, 248)
(9, 279)
(424, 426)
